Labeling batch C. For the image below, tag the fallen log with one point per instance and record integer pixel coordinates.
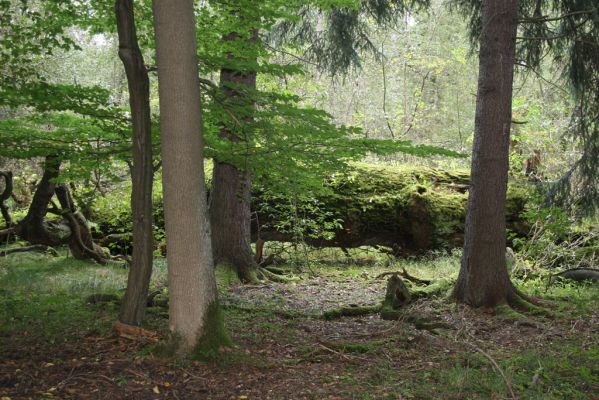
(406, 210)
(577, 275)
(402, 210)
(36, 247)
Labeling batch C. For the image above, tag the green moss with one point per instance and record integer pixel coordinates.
(215, 335)
(226, 275)
(438, 288)
(360, 348)
(351, 311)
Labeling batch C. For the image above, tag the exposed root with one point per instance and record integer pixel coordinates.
(354, 311)
(36, 247)
(267, 274)
(523, 303)
(404, 274)
(285, 314)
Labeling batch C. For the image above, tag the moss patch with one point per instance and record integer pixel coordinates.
(215, 335)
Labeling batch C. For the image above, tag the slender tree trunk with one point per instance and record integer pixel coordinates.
(230, 197)
(134, 303)
(5, 195)
(483, 280)
(192, 288)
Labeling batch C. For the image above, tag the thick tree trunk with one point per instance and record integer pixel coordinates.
(230, 197)
(483, 280)
(193, 307)
(33, 227)
(134, 303)
(72, 229)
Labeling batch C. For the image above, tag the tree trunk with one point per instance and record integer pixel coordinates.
(230, 197)
(193, 308)
(483, 280)
(5, 195)
(134, 303)
(32, 228)
(80, 242)
(72, 230)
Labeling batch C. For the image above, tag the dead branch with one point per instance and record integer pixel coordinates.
(404, 274)
(36, 247)
(133, 332)
(497, 367)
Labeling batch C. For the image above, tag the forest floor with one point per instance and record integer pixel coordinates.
(56, 345)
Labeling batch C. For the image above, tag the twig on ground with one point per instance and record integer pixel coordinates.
(497, 367)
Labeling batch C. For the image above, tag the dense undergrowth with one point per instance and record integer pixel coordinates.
(45, 306)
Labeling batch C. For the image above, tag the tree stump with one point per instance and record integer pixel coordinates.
(396, 296)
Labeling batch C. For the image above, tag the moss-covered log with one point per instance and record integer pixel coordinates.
(409, 210)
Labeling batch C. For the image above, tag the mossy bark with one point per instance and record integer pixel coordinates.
(215, 334)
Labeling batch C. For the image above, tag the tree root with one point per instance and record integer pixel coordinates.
(36, 247)
(7, 235)
(269, 275)
(355, 311)
(524, 303)
(404, 274)
(286, 314)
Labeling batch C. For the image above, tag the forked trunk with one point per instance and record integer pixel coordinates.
(134, 303)
(73, 229)
(483, 280)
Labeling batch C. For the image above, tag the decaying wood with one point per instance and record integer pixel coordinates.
(134, 332)
(71, 229)
(397, 294)
(578, 275)
(404, 274)
(36, 247)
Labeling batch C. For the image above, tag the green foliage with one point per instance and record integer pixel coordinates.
(335, 34)
(556, 239)
(568, 33)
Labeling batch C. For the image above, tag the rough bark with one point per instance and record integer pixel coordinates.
(34, 228)
(230, 197)
(72, 229)
(483, 280)
(80, 241)
(134, 303)
(5, 195)
(192, 286)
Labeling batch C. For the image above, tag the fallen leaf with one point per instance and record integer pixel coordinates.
(156, 390)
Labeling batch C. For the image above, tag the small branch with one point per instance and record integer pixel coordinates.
(404, 274)
(497, 367)
(546, 18)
